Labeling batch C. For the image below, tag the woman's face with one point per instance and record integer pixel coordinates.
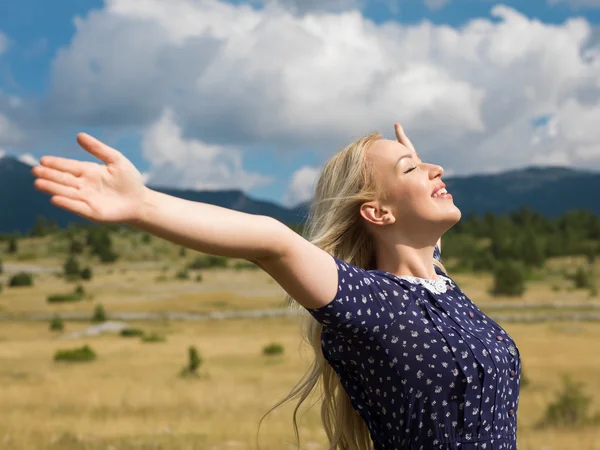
(410, 184)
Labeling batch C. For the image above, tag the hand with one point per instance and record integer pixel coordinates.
(403, 138)
(111, 193)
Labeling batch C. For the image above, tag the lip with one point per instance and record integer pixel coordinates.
(438, 187)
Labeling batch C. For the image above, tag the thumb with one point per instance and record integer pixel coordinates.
(97, 148)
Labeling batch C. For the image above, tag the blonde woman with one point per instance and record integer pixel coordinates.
(405, 359)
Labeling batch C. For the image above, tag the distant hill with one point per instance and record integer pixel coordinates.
(547, 190)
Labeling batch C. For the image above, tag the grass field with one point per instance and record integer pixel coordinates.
(131, 397)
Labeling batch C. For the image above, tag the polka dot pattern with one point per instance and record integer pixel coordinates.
(423, 366)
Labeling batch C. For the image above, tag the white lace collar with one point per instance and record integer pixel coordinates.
(437, 285)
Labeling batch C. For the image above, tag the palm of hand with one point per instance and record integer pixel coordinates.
(111, 193)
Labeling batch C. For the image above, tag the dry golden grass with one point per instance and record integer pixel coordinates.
(132, 397)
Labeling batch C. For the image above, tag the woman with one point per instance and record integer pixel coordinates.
(406, 360)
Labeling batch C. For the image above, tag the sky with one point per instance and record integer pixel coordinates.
(257, 95)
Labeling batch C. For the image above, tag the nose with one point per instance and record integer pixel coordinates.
(435, 170)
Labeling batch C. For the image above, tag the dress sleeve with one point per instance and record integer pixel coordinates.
(365, 303)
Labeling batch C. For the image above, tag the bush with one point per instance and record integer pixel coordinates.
(240, 265)
(131, 332)
(1, 266)
(273, 349)
(153, 337)
(194, 362)
(569, 409)
(99, 314)
(57, 324)
(182, 274)
(582, 279)
(21, 279)
(71, 267)
(86, 273)
(182, 251)
(208, 262)
(82, 354)
(509, 279)
(64, 298)
(76, 247)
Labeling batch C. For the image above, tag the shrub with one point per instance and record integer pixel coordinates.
(273, 349)
(76, 247)
(57, 324)
(153, 337)
(182, 251)
(86, 273)
(80, 290)
(131, 332)
(182, 274)
(240, 265)
(21, 279)
(64, 298)
(146, 237)
(569, 409)
(71, 266)
(208, 262)
(199, 277)
(1, 266)
(99, 314)
(582, 279)
(82, 354)
(12, 246)
(194, 362)
(509, 279)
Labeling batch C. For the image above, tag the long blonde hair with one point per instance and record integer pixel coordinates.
(333, 224)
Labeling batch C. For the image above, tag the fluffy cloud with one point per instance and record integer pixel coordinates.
(302, 186)
(237, 77)
(306, 6)
(189, 163)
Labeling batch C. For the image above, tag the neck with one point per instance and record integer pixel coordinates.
(407, 260)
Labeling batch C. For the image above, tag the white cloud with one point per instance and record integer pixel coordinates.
(237, 77)
(28, 159)
(189, 163)
(10, 134)
(308, 6)
(302, 186)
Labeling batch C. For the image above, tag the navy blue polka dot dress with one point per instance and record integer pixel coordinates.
(423, 366)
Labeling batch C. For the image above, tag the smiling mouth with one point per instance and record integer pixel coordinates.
(441, 194)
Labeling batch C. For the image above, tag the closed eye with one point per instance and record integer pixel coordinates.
(411, 169)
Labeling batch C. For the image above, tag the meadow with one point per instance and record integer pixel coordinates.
(132, 397)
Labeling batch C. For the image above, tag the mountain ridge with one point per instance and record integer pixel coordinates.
(550, 191)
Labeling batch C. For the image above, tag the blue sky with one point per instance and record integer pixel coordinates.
(257, 96)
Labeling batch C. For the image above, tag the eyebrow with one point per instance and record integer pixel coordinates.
(409, 155)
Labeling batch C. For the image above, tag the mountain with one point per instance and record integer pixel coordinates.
(547, 190)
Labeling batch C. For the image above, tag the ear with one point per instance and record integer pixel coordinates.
(374, 213)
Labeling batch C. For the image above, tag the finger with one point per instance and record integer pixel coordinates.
(65, 178)
(71, 166)
(76, 206)
(52, 188)
(97, 148)
(399, 132)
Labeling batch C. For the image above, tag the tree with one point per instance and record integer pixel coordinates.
(71, 267)
(509, 279)
(12, 245)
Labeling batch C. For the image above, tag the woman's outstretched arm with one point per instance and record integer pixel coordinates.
(114, 192)
(207, 228)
